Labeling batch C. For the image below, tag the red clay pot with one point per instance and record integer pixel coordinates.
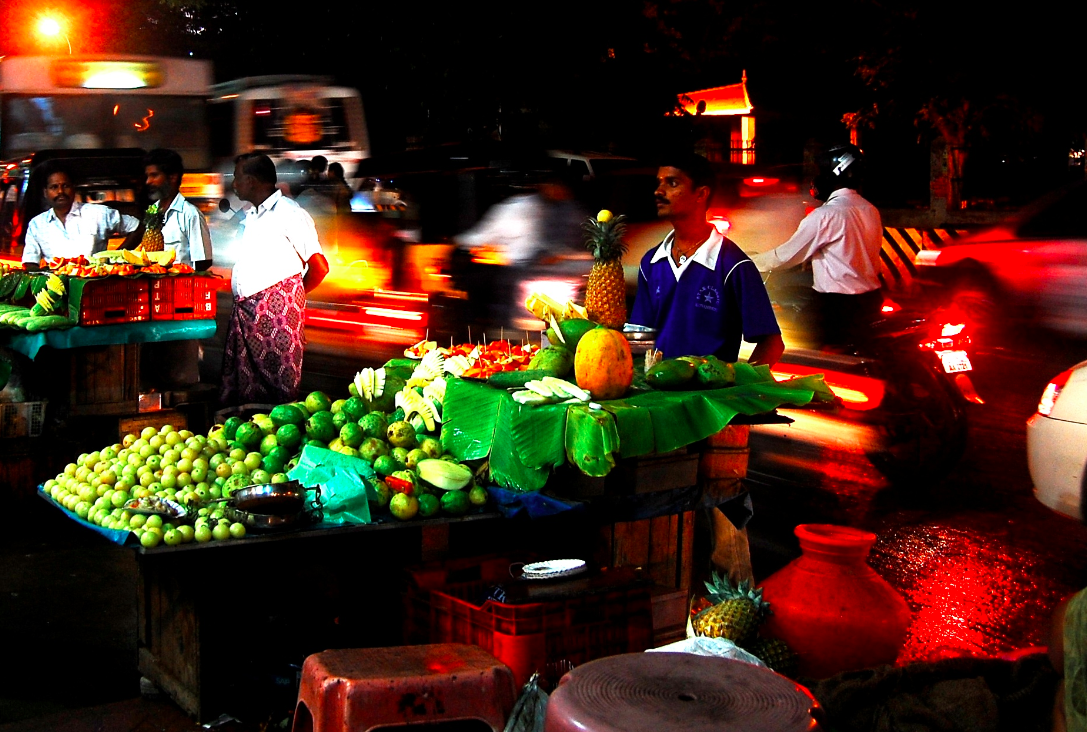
(832, 608)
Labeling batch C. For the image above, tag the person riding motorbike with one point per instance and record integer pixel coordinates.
(842, 240)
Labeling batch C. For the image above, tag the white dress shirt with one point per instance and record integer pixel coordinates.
(278, 239)
(842, 238)
(85, 230)
(185, 231)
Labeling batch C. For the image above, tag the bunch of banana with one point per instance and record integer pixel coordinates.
(431, 367)
(550, 390)
(547, 308)
(48, 297)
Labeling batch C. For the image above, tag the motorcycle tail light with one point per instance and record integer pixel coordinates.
(1052, 392)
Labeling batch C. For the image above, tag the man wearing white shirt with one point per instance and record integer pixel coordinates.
(280, 261)
(69, 228)
(184, 229)
(842, 239)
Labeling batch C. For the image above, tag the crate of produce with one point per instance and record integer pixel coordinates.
(546, 630)
(109, 300)
(183, 298)
(22, 419)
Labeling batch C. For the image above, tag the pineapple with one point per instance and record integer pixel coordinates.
(605, 294)
(152, 230)
(774, 653)
(737, 611)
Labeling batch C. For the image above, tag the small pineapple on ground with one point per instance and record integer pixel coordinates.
(152, 240)
(605, 293)
(737, 612)
(775, 653)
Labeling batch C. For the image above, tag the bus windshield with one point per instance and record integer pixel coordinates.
(33, 122)
(279, 124)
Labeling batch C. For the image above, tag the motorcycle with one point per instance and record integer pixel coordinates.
(907, 383)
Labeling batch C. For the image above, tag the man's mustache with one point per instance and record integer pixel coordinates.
(658, 199)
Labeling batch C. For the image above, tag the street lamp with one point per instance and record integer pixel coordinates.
(51, 27)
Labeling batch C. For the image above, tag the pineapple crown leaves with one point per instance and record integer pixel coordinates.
(605, 238)
(721, 590)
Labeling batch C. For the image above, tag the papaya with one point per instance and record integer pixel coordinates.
(671, 373)
(603, 365)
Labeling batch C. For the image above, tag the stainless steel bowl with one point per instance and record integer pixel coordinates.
(270, 499)
(639, 333)
(263, 521)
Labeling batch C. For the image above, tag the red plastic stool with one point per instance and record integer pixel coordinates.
(357, 689)
(669, 692)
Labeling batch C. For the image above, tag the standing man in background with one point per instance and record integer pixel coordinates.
(842, 239)
(184, 228)
(280, 261)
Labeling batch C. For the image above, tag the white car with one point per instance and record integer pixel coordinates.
(1057, 443)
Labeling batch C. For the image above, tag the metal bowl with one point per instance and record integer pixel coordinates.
(270, 499)
(169, 511)
(638, 332)
(263, 521)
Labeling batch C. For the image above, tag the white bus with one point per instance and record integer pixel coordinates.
(100, 111)
(289, 118)
(81, 102)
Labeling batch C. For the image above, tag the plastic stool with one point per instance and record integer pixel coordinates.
(666, 692)
(357, 689)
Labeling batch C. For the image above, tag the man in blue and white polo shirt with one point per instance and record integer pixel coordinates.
(697, 289)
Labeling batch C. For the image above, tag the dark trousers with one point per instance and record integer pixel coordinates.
(843, 319)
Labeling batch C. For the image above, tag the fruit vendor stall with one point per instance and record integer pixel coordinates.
(314, 508)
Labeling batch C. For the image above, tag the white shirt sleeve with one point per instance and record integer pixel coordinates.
(301, 232)
(805, 242)
(32, 251)
(199, 238)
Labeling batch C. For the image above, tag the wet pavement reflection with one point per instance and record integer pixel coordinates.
(980, 562)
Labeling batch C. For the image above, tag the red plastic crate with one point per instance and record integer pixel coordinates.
(541, 636)
(186, 297)
(114, 300)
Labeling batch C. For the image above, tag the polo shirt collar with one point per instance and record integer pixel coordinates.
(706, 255)
(177, 205)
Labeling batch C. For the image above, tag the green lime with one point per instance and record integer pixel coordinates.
(374, 424)
(456, 503)
(318, 401)
(428, 505)
(414, 457)
(267, 444)
(431, 446)
(265, 423)
(354, 408)
(249, 435)
(231, 427)
(339, 419)
(403, 506)
(272, 463)
(287, 414)
(401, 434)
(351, 435)
(372, 448)
(478, 495)
(337, 405)
(400, 454)
(289, 436)
(234, 483)
(386, 465)
(321, 427)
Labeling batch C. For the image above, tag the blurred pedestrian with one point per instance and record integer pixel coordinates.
(339, 190)
(280, 261)
(69, 228)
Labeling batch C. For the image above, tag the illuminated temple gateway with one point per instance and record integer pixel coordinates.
(731, 107)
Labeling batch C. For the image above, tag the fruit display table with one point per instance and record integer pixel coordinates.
(120, 334)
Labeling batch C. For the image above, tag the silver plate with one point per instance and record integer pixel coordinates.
(553, 568)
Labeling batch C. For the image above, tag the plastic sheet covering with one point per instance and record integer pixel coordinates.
(121, 537)
(525, 442)
(149, 331)
(344, 483)
(715, 647)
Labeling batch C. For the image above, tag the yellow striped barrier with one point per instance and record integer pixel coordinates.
(901, 245)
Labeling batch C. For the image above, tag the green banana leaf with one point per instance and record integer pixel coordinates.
(524, 442)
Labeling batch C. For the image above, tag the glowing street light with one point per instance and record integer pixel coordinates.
(50, 27)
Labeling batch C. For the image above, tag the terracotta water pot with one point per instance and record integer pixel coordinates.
(832, 608)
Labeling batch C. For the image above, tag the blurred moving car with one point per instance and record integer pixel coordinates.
(1032, 268)
(1057, 443)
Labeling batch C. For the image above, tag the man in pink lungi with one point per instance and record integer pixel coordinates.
(280, 261)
